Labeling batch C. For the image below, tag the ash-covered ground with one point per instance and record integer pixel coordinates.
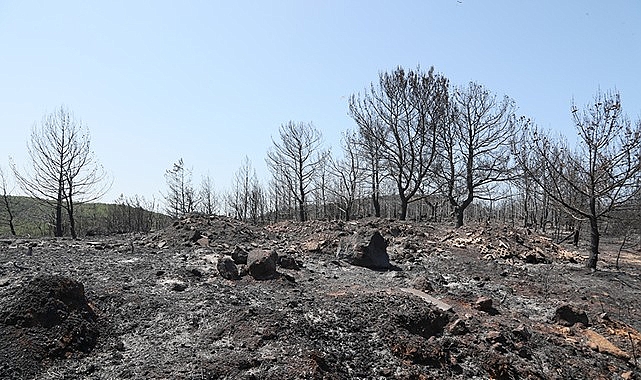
(213, 298)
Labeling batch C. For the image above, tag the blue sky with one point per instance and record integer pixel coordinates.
(212, 81)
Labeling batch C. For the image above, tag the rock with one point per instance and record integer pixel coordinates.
(227, 268)
(239, 255)
(373, 255)
(599, 343)
(312, 245)
(261, 264)
(458, 327)
(567, 315)
(429, 299)
(195, 271)
(484, 304)
(178, 286)
(494, 337)
(422, 283)
(288, 262)
(522, 333)
(203, 241)
(195, 235)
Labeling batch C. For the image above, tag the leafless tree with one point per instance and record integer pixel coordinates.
(208, 199)
(347, 174)
(243, 193)
(320, 186)
(134, 214)
(65, 171)
(7, 201)
(475, 151)
(257, 202)
(367, 142)
(180, 198)
(402, 115)
(602, 173)
(295, 160)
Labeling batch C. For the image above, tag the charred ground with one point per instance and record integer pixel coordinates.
(481, 302)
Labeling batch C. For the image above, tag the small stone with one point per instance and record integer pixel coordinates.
(178, 286)
(288, 262)
(312, 245)
(228, 269)
(195, 235)
(522, 333)
(203, 242)
(484, 304)
(458, 327)
(422, 283)
(495, 337)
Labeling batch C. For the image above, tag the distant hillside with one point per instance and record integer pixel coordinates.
(32, 217)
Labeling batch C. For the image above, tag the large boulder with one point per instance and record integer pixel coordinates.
(372, 255)
(261, 264)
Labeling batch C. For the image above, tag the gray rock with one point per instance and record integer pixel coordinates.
(288, 262)
(373, 255)
(422, 283)
(227, 268)
(485, 304)
(239, 255)
(178, 286)
(261, 264)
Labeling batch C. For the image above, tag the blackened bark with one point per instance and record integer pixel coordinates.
(594, 243)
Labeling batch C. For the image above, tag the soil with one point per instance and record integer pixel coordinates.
(478, 302)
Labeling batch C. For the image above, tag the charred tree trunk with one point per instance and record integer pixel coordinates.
(594, 243)
(9, 214)
(404, 204)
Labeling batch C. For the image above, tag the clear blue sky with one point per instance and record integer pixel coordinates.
(212, 81)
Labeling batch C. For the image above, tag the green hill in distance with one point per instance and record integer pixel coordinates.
(34, 218)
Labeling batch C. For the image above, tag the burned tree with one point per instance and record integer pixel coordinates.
(208, 199)
(475, 150)
(347, 174)
(65, 172)
(366, 141)
(402, 115)
(7, 202)
(180, 198)
(601, 174)
(295, 160)
(246, 196)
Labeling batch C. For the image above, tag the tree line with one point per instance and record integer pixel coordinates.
(420, 148)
